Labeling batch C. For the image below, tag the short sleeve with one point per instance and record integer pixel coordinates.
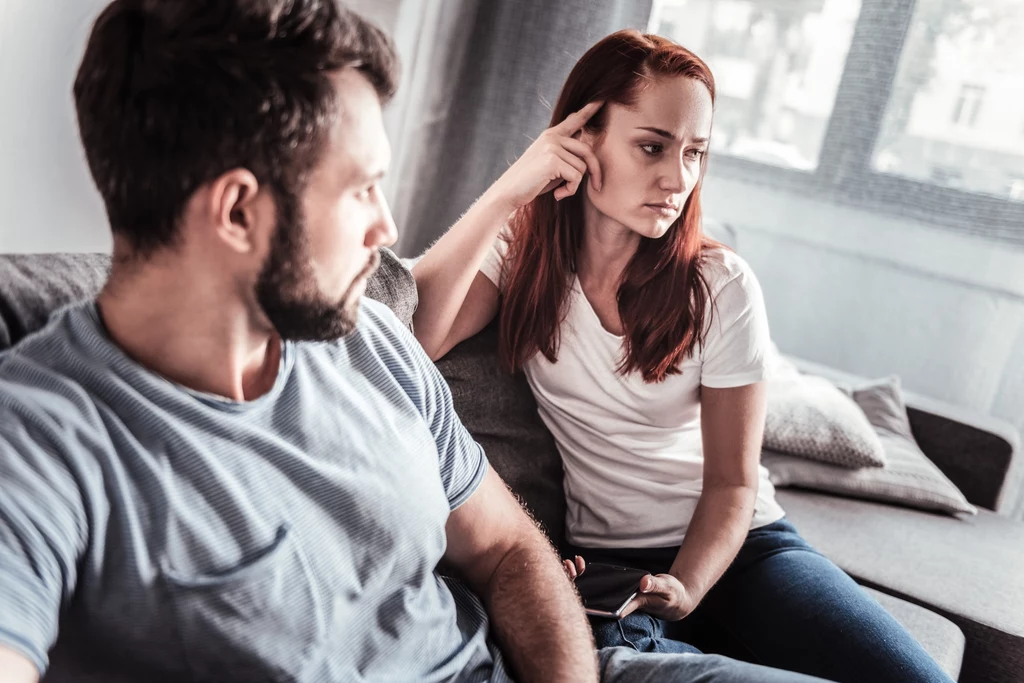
(737, 350)
(494, 261)
(42, 534)
(461, 459)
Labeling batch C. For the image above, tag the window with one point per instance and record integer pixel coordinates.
(777, 68)
(911, 107)
(936, 120)
(967, 105)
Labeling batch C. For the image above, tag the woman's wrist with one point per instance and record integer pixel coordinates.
(695, 588)
(496, 201)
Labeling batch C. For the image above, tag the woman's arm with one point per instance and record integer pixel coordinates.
(446, 275)
(732, 422)
(455, 299)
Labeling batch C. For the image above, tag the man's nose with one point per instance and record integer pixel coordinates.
(382, 232)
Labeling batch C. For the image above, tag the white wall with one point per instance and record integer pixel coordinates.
(47, 199)
(876, 295)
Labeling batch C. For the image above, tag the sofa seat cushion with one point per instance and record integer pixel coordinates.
(968, 569)
(939, 636)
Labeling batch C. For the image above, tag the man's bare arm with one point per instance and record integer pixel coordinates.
(534, 610)
(16, 667)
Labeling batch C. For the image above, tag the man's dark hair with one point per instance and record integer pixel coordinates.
(173, 93)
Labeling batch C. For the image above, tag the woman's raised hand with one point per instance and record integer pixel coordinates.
(555, 161)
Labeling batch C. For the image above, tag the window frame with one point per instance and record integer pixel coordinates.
(844, 173)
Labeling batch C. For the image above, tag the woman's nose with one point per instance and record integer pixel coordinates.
(673, 178)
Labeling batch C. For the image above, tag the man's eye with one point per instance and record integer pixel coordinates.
(366, 192)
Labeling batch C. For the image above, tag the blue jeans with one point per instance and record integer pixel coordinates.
(781, 604)
(625, 665)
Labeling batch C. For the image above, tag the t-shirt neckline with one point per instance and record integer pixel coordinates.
(120, 360)
(591, 313)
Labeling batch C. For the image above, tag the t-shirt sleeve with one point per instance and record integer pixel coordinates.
(461, 459)
(738, 344)
(495, 259)
(42, 534)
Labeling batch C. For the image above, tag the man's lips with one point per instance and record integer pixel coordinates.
(371, 266)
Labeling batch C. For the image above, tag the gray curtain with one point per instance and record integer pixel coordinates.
(480, 89)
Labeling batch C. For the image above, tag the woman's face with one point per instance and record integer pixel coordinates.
(651, 154)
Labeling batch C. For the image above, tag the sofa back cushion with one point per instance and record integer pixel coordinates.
(33, 286)
(500, 412)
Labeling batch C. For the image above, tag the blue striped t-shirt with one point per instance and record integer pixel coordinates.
(173, 535)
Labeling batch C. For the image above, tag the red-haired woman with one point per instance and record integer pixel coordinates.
(646, 346)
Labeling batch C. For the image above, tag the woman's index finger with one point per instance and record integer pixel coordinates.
(573, 122)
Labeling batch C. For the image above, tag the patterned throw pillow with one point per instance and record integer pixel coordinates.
(908, 478)
(810, 417)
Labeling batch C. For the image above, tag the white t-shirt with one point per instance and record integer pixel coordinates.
(632, 451)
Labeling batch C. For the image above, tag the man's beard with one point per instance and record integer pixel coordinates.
(287, 291)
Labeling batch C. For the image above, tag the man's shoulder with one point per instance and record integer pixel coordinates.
(376, 316)
(379, 338)
(37, 382)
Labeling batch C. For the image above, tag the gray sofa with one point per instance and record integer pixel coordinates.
(956, 583)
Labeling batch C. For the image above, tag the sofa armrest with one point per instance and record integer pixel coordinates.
(979, 453)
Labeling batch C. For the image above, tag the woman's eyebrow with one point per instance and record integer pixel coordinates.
(668, 136)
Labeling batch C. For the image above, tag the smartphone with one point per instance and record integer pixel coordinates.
(606, 589)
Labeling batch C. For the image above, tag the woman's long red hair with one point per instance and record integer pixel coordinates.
(663, 295)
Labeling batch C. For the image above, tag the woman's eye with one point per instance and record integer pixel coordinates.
(651, 150)
(696, 153)
(366, 192)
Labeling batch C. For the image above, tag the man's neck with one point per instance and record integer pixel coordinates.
(193, 331)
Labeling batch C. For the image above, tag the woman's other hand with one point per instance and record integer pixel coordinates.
(555, 161)
(574, 569)
(662, 596)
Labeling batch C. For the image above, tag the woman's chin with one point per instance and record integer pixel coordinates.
(652, 229)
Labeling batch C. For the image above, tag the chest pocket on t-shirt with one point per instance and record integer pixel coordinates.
(260, 620)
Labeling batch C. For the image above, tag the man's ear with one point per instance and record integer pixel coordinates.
(238, 209)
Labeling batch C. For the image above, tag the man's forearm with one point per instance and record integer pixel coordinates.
(537, 616)
(714, 537)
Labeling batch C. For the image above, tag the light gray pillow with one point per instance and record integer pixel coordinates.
(810, 417)
(908, 478)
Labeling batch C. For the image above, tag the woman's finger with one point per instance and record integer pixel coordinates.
(660, 587)
(571, 159)
(655, 586)
(573, 122)
(586, 153)
(570, 570)
(572, 177)
(581, 565)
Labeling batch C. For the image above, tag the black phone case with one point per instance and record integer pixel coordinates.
(606, 589)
